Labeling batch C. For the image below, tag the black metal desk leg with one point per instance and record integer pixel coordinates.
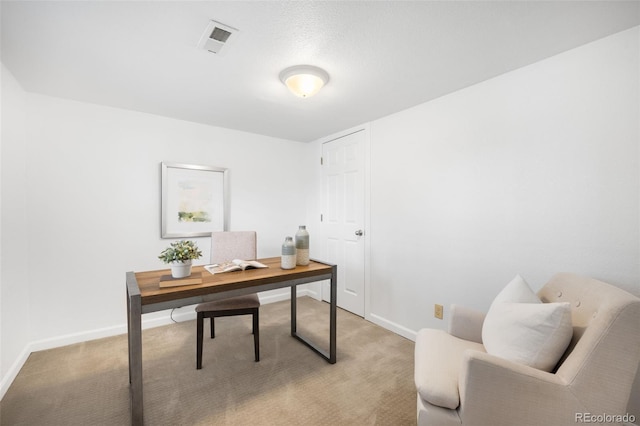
(333, 314)
(129, 332)
(294, 305)
(134, 327)
(329, 355)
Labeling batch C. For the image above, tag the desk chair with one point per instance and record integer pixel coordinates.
(226, 246)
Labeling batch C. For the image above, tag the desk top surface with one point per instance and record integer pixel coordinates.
(151, 292)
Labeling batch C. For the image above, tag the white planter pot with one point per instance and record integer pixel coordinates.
(181, 269)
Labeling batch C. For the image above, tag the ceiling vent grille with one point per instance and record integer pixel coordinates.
(216, 36)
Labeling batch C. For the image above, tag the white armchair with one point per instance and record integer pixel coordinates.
(459, 383)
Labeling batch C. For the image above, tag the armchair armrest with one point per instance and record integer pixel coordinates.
(500, 392)
(466, 323)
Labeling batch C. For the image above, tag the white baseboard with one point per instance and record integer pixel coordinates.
(171, 316)
(12, 373)
(391, 326)
(70, 339)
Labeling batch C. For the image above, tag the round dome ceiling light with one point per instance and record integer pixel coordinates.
(304, 80)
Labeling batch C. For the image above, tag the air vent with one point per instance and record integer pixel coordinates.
(220, 35)
(216, 36)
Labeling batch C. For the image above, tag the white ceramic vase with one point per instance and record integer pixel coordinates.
(302, 246)
(181, 269)
(288, 258)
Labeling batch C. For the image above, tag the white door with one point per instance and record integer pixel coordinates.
(343, 217)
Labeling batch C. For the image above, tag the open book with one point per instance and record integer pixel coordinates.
(234, 265)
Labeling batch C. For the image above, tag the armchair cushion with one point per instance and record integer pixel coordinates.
(466, 323)
(438, 357)
(520, 328)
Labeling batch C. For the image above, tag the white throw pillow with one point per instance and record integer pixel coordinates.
(520, 328)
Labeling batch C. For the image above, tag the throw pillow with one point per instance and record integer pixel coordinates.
(520, 328)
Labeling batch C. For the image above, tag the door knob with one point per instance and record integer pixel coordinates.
(359, 233)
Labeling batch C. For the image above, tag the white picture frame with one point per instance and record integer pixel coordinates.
(195, 200)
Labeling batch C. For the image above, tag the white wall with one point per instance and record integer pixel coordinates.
(14, 286)
(94, 190)
(533, 172)
(91, 213)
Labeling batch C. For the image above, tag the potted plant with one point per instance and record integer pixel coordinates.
(179, 256)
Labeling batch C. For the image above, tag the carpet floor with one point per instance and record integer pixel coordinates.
(87, 383)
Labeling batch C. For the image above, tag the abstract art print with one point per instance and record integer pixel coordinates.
(194, 200)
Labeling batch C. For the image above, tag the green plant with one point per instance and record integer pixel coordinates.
(179, 251)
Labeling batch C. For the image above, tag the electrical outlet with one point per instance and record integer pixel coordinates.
(438, 311)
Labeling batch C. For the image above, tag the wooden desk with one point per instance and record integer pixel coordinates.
(144, 295)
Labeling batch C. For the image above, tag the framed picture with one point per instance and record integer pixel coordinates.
(195, 200)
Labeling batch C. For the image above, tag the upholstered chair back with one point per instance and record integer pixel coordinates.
(600, 363)
(226, 246)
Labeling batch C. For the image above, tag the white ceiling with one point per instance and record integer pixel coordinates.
(382, 56)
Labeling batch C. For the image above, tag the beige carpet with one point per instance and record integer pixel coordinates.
(87, 383)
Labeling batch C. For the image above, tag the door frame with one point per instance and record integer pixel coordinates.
(367, 205)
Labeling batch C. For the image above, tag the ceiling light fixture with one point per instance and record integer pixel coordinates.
(304, 80)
